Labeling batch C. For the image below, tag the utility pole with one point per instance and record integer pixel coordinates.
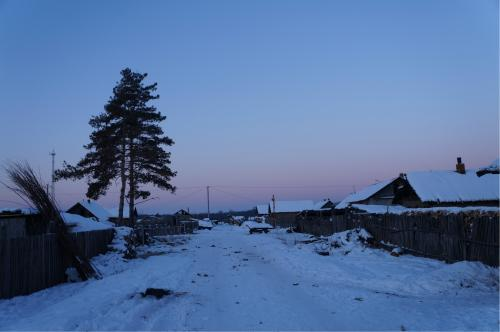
(53, 185)
(208, 202)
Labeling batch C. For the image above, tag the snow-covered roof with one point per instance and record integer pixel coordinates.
(495, 163)
(182, 212)
(18, 210)
(97, 210)
(450, 186)
(291, 206)
(363, 194)
(262, 209)
(82, 224)
(321, 204)
(398, 209)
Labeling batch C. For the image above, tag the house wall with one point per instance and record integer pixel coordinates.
(182, 217)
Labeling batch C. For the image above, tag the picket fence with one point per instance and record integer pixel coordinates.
(448, 237)
(32, 263)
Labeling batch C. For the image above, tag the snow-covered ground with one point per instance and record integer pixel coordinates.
(227, 279)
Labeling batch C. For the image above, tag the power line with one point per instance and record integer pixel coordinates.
(236, 195)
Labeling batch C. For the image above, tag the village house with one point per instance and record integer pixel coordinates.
(182, 215)
(90, 209)
(287, 211)
(322, 208)
(429, 189)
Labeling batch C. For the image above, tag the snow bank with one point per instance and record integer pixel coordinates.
(458, 275)
(348, 240)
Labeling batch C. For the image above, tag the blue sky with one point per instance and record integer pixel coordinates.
(302, 99)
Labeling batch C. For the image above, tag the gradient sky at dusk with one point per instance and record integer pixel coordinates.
(301, 99)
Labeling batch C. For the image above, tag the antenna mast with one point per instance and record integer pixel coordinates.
(53, 184)
(208, 202)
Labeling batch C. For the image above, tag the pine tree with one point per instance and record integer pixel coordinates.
(126, 145)
(148, 162)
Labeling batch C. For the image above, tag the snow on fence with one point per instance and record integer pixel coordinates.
(29, 264)
(449, 237)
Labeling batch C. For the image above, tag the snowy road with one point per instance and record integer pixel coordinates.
(236, 281)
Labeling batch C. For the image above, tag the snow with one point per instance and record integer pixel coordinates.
(450, 186)
(495, 165)
(363, 194)
(82, 224)
(227, 279)
(263, 209)
(291, 206)
(97, 210)
(398, 209)
(205, 223)
(19, 210)
(254, 224)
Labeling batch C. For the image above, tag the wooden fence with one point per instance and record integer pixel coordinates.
(452, 237)
(160, 229)
(29, 264)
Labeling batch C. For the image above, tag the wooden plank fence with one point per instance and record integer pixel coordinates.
(29, 264)
(451, 237)
(162, 229)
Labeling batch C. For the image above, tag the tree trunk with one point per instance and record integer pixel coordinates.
(123, 178)
(132, 186)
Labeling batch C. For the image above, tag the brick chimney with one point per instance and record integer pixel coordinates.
(460, 168)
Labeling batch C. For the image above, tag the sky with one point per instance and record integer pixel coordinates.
(300, 99)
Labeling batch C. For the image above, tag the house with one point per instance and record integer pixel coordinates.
(285, 212)
(182, 215)
(322, 208)
(427, 189)
(263, 209)
(324, 204)
(380, 193)
(90, 209)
